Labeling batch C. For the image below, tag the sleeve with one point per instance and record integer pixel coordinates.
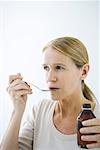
(28, 130)
(26, 134)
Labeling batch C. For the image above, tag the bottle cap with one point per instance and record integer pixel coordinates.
(86, 106)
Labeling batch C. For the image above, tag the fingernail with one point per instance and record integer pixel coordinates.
(84, 123)
(18, 74)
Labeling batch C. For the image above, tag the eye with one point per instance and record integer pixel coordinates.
(46, 68)
(58, 67)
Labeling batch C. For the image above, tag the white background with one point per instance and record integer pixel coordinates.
(25, 27)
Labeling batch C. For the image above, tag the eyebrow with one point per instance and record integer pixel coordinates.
(60, 64)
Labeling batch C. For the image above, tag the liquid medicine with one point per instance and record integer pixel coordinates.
(84, 115)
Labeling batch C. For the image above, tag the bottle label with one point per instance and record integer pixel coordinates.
(81, 144)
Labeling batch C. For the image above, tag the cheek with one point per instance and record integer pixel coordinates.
(72, 82)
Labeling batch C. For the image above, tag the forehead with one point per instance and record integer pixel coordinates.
(51, 55)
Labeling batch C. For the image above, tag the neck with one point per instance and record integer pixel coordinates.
(65, 115)
(70, 106)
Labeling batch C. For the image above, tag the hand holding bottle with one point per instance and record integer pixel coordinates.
(91, 127)
(88, 128)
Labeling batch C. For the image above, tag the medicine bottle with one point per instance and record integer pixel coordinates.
(84, 115)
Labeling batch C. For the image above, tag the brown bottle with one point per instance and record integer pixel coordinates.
(84, 115)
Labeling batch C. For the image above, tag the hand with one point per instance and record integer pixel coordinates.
(18, 90)
(91, 126)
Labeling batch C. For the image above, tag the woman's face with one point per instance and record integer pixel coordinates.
(62, 76)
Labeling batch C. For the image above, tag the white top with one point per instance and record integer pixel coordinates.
(39, 132)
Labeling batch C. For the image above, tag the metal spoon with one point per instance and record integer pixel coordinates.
(43, 90)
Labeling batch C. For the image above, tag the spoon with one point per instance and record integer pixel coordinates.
(43, 90)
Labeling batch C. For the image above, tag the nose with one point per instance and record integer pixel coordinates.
(51, 76)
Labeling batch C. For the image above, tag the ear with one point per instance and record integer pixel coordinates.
(84, 71)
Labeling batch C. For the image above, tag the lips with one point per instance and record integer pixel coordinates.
(53, 88)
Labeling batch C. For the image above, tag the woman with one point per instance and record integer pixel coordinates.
(52, 123)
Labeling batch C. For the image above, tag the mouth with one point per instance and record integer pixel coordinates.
(53, 89)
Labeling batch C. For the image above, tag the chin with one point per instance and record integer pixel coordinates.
(55, 98)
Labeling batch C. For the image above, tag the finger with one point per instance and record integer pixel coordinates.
(92, 129)
(21, 87)
(91, 122)
(18, 85)
(14, 77)
(95, 137)
(93, 145)
(15, 82)
(18, 94)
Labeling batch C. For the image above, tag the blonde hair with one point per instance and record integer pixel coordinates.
(76, 50)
